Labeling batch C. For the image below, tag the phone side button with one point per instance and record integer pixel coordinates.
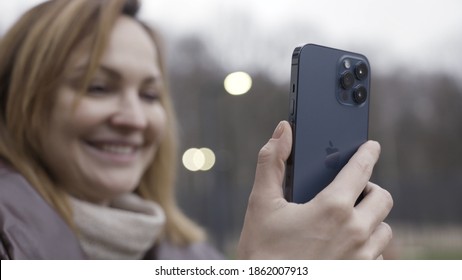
(292, 107)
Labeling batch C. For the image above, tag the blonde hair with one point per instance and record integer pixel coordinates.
(33, 56)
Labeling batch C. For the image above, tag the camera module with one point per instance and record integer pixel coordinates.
(361, 71)
(352, 76)
(347, 80)
(360, 94)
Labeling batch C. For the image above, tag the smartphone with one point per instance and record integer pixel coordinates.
(329, 115)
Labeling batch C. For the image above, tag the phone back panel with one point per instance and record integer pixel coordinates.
(328, 127)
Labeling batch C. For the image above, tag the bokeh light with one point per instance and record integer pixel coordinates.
(209, 157)
(195, 159)
(238, 83)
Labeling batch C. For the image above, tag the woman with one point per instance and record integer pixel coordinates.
(87, 150)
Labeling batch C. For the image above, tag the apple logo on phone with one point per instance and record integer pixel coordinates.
(333, 156)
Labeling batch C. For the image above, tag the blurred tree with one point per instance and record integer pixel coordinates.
(418, 120)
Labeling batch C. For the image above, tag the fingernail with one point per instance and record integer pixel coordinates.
(278, 131)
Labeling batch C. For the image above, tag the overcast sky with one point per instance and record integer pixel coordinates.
(250, 34)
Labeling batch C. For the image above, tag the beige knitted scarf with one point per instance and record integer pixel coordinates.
(125, 229)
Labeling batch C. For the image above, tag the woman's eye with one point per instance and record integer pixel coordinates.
(97, 88)
(150, 96)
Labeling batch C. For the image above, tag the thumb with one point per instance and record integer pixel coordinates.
(269, 175)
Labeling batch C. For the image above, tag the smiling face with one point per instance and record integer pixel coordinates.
(97, 146)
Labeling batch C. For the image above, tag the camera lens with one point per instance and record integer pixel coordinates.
(361, 71)
(347, 80)
(360, 95)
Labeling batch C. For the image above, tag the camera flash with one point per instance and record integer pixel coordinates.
(346, 64)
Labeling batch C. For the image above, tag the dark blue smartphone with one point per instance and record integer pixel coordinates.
(329, 115)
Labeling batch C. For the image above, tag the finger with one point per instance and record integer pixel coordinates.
(375, 206)
(379, 240)
(271, 163)
(353, 177)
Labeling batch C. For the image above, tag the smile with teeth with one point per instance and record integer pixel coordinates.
(118, 149)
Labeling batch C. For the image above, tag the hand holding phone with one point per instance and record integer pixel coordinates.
(327, 227)
(329, 112)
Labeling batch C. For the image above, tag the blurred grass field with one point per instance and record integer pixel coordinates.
(426, 242)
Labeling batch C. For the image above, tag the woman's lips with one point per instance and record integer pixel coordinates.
(116, 149)
(114, 152)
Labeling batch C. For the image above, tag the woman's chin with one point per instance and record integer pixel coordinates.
(108, 191)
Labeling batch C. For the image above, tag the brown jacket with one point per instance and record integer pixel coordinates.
(31, 229)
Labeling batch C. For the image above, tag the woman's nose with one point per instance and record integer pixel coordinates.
(130, 112)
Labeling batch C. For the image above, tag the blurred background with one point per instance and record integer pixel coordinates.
(414, 48)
